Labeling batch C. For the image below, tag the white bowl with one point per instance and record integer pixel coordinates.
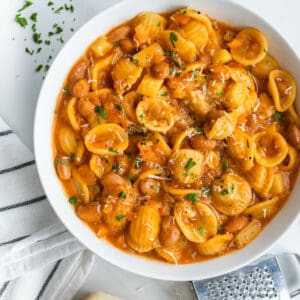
(225, 11)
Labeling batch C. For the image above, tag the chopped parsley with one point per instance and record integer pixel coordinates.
(205, 77)
(122, 195)
(173, 38)
(171, 71)
(195, 74)
(39, 68)
(219, 228)
(206, 191)
(224, 163)
(118, 107)
(172, 53)
(165, 94)
(220, 95)
(113, 150)
(278, 116)
(66, 91)
(137, 163)
(120, 217)
(116, 44)
(141, 116)
(73, 200)
(72, 155)
(33, 17)
(190, 164)
(100, 110)
(232, 187)
(134, 60)
(199, 130)
(21, 20)
(26, 4)
(176, 63)
(158, 24)
(115, 167)
(50, 3)
(131, 177)
(193, 197)
(65, 162)
(224, 192)
(201, 230)
(58, 10)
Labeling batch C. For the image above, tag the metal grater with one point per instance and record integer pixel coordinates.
(270, 278)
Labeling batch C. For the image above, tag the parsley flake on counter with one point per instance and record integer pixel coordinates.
(26, 4)
(39, 68)
(30, 52)
(21, 20)
(37, 38)
(33, 17)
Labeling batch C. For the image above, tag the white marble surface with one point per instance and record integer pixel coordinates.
(20, 84)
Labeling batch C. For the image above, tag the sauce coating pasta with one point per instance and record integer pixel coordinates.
(175, 136)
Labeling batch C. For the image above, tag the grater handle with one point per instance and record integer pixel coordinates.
(296, 292)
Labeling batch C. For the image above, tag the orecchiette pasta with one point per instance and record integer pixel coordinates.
(176, 136)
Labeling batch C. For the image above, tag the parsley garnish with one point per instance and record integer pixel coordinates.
(201, 230)
(158, 24)
(220, 95)
(122, 195)
(137, 162)
(176, 63)
(141, 116)
(120, 217)
(205, 77)
(171, 71)
(190, 163)
(65, 162)
(118, 107)
(112, 150)
(224, 192)
(193, 197)
(278, 116)
(195, 73)
(224, 163)
(173, 38)
(115, 167)
(26, 4)
(116, 44)
(131, 177)
(199, 130)
(72, 155)
(100, 110)
(21, 20)
(172, 53)
(232, 187)
(134, 60)
(165, 94)
(219, 228)
(206, 191)
(73, 200)
(66, 91)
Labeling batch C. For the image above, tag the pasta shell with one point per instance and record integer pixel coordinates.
(188, 166)
(248, 234)
(156, 115)
(174, 253)
(195, 32)
(72, 114)
(106, 139)
(262, 210)
(270, 148)
(151, 54)
(282, 88)
(222, 127)
(279, 186)
(221, 56)
(261, 179)
(129, 103)
(249, 47)
(149, 86)
(144, 229)
(235, 96)
(67, 140)
(216, 245)
(264, 67)
(292, 156)
(101, 47)
(80, 187)
(96, 166)
(231, 194)
(197, 222)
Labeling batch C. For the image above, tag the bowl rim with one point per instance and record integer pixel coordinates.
(124, 260)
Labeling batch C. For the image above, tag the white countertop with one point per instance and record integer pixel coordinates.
(20, 85)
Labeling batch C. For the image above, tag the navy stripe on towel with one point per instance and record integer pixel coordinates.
(25, 203)
(21, 166)
(6, 132)
(44, 286)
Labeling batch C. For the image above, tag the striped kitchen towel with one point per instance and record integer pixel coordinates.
(39, 258)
